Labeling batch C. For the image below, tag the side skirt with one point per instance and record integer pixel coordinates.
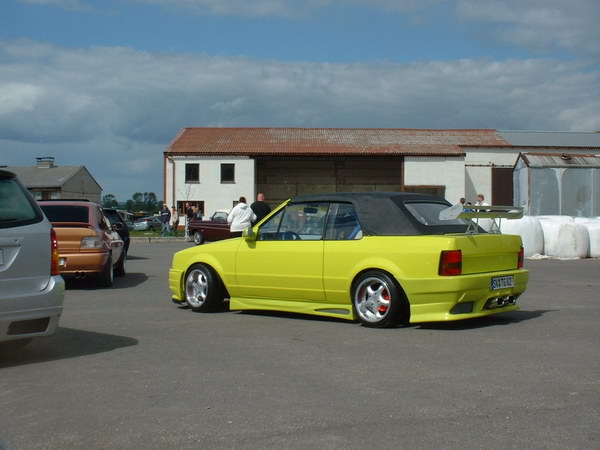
(300, 307)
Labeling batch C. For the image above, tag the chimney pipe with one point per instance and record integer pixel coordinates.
(45, 162)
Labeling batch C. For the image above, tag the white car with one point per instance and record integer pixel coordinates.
(31, 289)
(151, 223)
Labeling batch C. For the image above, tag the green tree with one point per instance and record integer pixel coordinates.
(109, 201)
(145, 202)
(138, 202)
(150, 202)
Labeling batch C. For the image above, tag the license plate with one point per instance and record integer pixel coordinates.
(503, 282)
(62, 262)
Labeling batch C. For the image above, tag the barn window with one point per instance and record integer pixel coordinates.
(227, 173)
(192, 173)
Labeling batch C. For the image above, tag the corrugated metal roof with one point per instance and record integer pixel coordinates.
(330, 141)
(47, 177)
(540, 160)
(552, 138)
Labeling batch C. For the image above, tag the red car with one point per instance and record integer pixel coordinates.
(214, 229)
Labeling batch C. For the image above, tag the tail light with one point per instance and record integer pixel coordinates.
(55, 260)
(450, 263)
(91, 243)
(521, 258)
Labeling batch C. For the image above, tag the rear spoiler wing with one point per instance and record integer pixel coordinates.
(495, 213)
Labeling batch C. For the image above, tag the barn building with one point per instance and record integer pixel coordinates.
(47, 181)
(213, 167)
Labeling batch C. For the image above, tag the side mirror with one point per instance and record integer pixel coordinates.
(118, 226)
(248, 234)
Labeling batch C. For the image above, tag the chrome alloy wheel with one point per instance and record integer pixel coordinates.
(196, 288)
(372, 299)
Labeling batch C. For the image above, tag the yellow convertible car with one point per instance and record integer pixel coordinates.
(384, 259)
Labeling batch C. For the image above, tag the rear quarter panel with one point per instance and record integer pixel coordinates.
(414, 262)
(405, 257)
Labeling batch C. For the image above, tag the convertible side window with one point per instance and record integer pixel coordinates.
(297, 222)
(268, 231)
(343, 223)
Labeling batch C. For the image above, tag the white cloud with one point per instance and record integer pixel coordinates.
(113, 91)
(539, 25)
(120, 104)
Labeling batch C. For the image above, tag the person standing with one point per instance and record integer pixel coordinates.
(481, 201)
(240, 218)
(189, 215)
(484, 223)
(174, 221)
(197, 213)
(260, 208)
(165, 218)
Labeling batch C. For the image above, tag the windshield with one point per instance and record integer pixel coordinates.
(113, 216)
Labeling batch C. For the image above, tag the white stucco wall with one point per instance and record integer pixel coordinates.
(478, 169)
(449, 172)
(216, 195)
(479, 163)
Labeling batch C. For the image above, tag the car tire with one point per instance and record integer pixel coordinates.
(203, 290)
(198, 238)
(378, 301)
(106, 277)
(121, 268)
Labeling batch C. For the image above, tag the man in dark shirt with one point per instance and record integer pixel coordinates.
(260, 208)
(165, 218)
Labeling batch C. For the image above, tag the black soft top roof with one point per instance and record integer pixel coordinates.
(384, 213)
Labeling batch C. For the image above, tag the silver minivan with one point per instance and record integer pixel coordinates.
(31, 289)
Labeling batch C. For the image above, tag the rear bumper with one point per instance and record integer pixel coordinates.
(32, 315)
(462, 297)
(83, 262)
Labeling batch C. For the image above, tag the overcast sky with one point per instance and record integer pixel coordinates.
(108, 84)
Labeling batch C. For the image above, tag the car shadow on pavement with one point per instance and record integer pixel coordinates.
(132, 257)
(89, 283)
(293, 316)
(66, 343)
(503, 319)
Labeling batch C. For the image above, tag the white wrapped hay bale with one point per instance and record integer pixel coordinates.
(561, 219)
(593, 228)
(564, 238)
(530, 230)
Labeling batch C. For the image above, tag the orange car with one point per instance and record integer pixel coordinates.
(88, 245)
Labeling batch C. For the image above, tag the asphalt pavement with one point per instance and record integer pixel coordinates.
(128, 369)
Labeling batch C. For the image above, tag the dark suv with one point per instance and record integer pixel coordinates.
(115, 217)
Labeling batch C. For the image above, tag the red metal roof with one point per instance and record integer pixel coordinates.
(329, 141)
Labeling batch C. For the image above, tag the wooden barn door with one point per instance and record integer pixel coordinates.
(502, 186)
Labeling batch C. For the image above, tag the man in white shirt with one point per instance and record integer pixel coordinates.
(240, 218)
